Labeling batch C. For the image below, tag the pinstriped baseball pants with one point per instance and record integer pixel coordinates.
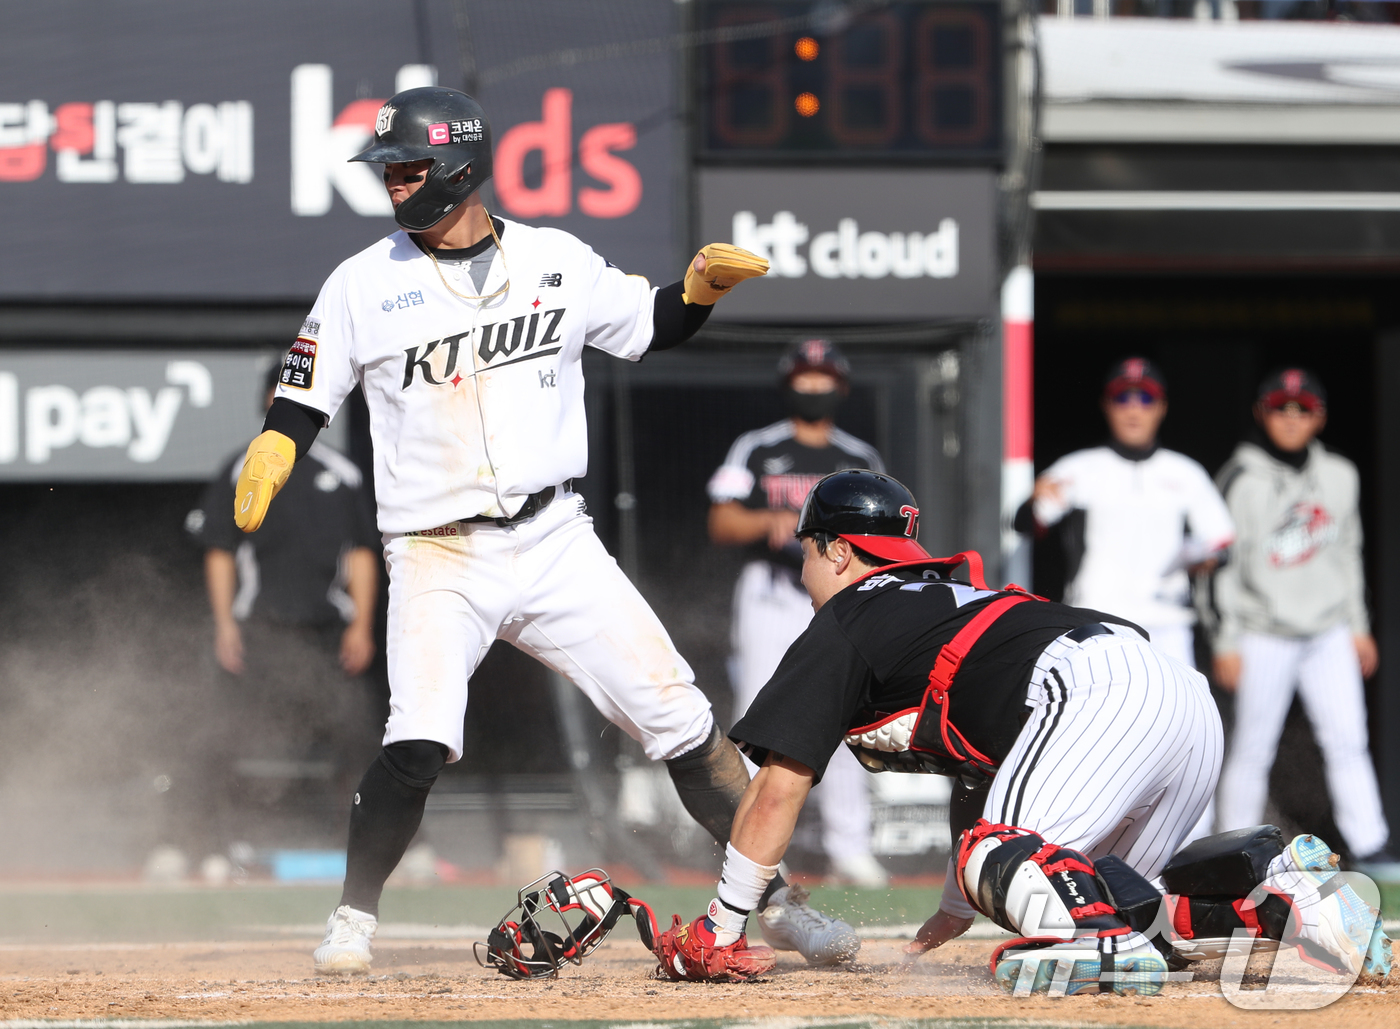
(1120, 754)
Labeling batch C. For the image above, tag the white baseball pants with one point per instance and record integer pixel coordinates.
(1119, 756)
(548, 587)
(1327, 676)
(771, 609)
(1179, 642)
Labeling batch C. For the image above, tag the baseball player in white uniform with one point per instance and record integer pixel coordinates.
(466, 333)
(1292, 612)
(1150, 516)
(755, 496)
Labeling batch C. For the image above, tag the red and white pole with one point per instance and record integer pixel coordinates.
(1018, 411)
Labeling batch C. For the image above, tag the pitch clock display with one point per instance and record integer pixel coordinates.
(898, 81)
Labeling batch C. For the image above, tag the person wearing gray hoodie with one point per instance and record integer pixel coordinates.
(1292, 613)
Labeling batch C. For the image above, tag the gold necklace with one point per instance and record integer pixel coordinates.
(490, 224)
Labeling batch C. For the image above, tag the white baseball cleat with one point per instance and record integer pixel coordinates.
(345, 950)
(1127, 967)
(787, 923)
(1331, 916)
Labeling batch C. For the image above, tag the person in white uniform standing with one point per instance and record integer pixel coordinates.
(466, 333)
(1292, 612)
(1150, 516)
(755, 496)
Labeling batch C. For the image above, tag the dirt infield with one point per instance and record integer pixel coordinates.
(439, 981)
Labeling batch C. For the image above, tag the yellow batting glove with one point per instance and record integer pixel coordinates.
(265, 469)
(725, 267)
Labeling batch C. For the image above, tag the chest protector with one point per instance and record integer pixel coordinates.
(922, 739)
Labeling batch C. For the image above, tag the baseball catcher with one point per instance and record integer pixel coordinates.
(1083, 758)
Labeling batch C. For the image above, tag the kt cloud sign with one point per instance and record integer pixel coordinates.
(857, 245)
(161, 151)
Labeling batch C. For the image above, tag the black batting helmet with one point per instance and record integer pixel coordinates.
(869, 510)
(442, 125)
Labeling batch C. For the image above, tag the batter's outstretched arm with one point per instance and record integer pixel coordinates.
(673, 320)
(682, 307)
(287, 435)
(298, 423)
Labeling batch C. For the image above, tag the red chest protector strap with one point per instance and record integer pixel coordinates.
(945, 670)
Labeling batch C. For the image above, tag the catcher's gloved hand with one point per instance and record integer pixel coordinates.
(690, 952)
(266, 467)
(725, 267)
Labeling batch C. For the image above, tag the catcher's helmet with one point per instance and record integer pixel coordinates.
(869, 510)
(442, 125)
(589, 900)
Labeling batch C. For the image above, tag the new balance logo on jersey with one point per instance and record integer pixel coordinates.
(497, 344)
(552, 279)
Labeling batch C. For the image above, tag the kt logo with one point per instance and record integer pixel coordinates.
(528, 336)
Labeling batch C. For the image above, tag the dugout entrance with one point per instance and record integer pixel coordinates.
(1224, 229)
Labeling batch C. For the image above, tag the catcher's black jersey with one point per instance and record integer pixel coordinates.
(289, 571)
(768, 468)
(868, 654)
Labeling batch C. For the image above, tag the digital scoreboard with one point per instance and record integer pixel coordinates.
(892, 83)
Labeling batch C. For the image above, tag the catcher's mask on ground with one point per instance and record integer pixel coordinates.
(585, 908)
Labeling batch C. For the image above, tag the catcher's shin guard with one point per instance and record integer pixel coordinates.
(1224, 864)
(1031, 887)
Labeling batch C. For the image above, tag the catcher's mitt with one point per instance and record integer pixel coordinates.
(689, 952)
(725, 267)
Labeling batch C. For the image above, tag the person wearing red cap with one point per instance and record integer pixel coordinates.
(1137, 519)
(755, 496)
(1292, 613)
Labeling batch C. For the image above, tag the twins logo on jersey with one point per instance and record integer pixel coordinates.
(788, 490)
(1305, 530)
(533, 335)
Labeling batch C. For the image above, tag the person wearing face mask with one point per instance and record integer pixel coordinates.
(1138, 519)
(756, 496)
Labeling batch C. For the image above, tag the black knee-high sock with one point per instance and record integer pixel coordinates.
(387, 810)
(711, 780)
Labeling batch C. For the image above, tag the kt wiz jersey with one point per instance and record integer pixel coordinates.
(868, 653)
(474, 404)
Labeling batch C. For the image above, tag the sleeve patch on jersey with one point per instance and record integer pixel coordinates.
(299, 368)
(311, 328)
(730, 483)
